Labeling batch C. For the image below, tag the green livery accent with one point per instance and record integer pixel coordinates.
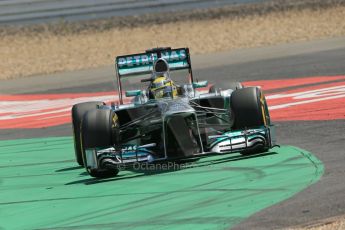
(200, 84)
(133, 93)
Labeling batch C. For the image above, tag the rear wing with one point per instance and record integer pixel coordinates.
(142, 63)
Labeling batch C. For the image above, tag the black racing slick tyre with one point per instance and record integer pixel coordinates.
(225, 86)
(99, 129)
(78, 111)
(249, 110)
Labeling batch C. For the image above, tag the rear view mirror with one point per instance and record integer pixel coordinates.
(200, 84)
(133, 93)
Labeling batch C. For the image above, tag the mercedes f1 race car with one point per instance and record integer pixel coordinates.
(164, 115)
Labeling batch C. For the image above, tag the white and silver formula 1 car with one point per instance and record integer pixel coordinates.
(167, 118)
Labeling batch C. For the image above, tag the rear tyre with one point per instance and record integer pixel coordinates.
(78, 111)
(225, 86)
(249, 110)
(99, 130)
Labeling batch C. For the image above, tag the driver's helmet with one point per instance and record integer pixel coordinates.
(162, 86)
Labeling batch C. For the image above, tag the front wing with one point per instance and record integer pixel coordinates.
(229, 142)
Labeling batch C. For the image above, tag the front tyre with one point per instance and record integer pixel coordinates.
(78, 111)
(99, 130)
(249, 111)
(249, 108)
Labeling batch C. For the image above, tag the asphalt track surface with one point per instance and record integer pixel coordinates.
(19, 12)
(324, 138)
